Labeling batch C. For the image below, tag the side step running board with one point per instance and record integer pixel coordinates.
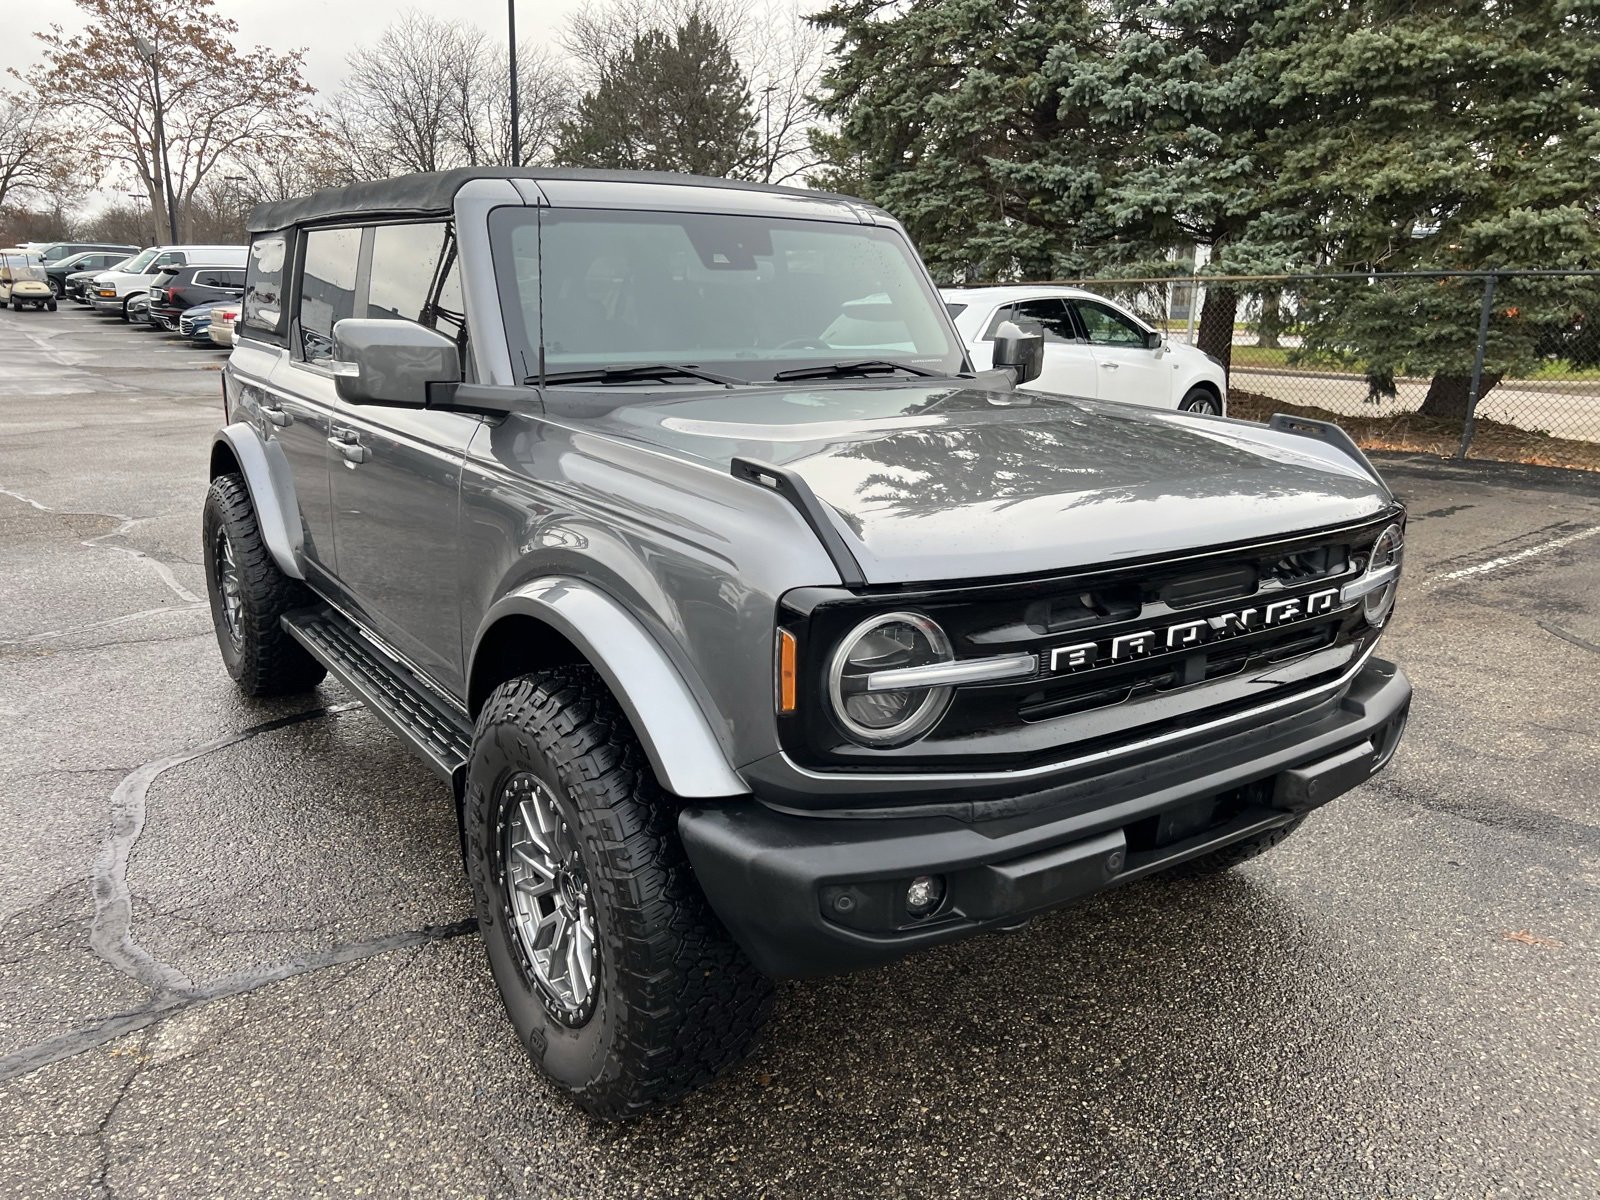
(429, 722)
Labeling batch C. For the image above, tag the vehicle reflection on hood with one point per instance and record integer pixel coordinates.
(936, 481)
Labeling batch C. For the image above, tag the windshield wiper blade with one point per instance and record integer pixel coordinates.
(633, 374)
(863, 366)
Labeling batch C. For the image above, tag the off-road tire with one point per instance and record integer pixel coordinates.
(676, 1003)
(1231, 856)
(1203, 400)
(266, 660)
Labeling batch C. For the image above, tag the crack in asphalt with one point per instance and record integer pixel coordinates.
(111, 928)
(94, 543)
(108, 1029)
(51, 635)
(1580, 643)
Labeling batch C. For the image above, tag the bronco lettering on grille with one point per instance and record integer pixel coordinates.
(1186, 635)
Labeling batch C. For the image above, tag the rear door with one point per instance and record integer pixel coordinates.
(396, 472)
(1128, 369)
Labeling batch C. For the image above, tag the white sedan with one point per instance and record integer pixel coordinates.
(1092, 347)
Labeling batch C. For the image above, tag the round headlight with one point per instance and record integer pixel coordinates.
(1386, 552)
(871, 713)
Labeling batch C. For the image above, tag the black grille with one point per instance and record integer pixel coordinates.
(1227, 664)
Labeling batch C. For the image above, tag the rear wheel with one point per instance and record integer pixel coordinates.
(622, 985)
(249, 595)
(1202, 401)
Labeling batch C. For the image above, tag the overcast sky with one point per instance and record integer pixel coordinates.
(325, 29)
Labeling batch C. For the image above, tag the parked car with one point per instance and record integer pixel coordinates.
(138, 309)
(92, 261)
(220, 329)
(1092, 347)
(23, 282)
(744, 655)
(78, 286)
(181, 288)
(195, 323)
(114, 289)
(54, 252)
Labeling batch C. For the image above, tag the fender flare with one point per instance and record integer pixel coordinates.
(666, 717)
(271, 485)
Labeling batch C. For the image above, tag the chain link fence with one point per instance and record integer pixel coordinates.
(1483, 364)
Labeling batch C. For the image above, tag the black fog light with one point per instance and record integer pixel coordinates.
(924, 895)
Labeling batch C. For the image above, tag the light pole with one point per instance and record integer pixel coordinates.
(766, 132)
(147, 51)
(516, 133)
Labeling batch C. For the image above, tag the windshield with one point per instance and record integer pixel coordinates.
(139, 262)
(743, 296)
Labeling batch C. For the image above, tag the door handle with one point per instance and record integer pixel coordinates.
(276, 416)
(346, 443)
(1110, 366)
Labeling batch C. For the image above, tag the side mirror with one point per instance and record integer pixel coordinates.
(390, 362)
(1020, 353)
(1154, 339)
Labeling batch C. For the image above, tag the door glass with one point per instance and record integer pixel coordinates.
(406, 281)
(1048, 314)
(1108, 327)
(327, 288)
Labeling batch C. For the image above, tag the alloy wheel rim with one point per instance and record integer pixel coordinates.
(228, 586)
(549, 900)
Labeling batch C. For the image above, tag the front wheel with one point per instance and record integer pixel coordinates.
(622, 985)
(1202, 401)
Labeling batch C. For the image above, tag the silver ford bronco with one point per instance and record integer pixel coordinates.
(756, 630)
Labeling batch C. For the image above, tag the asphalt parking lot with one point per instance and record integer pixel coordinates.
(1402, 1000)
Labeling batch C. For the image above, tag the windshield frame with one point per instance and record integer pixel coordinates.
(528, 352)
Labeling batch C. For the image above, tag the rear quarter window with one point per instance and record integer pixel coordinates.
(265, 269)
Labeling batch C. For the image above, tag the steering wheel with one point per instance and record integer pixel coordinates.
(810, 343)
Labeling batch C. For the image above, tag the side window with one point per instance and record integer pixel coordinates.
(1106, 326)
(172, 258)
(1046, 314)
(327, 288)
(1007, 313)
(263, 275)
(1050, 315)
(414, 277)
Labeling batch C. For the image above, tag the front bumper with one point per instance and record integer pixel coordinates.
(812, 895)
(106, 304)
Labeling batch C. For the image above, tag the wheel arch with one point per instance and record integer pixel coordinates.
(554, 621)
(238, 448)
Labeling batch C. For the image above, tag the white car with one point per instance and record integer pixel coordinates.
(112, 290)
(1092, 347)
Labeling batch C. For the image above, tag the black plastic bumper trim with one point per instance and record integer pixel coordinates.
(770, 875)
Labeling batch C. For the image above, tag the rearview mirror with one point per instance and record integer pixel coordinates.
(391, 362)
(1020, 353)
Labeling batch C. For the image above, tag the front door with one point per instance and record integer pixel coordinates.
(396, 478)
(1126, 367)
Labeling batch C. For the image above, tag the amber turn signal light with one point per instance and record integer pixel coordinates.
(786, 671)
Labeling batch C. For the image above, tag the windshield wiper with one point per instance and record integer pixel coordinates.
(633, 374)
(864, 366)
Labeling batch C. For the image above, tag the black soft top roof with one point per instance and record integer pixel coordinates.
(433, 193)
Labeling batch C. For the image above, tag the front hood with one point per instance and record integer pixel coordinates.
(933, 482)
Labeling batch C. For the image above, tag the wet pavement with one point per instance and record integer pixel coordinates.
(1402, 1000)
